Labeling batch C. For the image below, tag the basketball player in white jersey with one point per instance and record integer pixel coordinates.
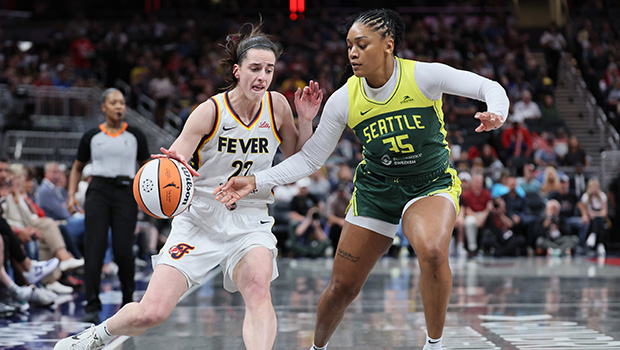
(233, 133)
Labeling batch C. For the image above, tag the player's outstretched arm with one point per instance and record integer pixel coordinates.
(234, 189)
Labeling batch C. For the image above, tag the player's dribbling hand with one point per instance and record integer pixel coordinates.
(488, 121)
(174, 155)
(234, 189)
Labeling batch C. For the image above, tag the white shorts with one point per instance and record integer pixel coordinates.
(207, 235)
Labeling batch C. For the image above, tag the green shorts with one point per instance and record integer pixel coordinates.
(385, 198)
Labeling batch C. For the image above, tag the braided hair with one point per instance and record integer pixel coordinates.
(385, 22)
(237, 46)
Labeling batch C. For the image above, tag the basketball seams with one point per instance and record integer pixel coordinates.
(170, 190)
(138, 194)
(163, 188)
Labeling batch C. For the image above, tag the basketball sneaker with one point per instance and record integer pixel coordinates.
(85, 340)
(71, 264)
(32, 295)
(40, 269)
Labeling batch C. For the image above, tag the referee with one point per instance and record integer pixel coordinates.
(115, 149)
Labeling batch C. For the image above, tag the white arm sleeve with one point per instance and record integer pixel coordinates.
(316, 150)
(434, 79)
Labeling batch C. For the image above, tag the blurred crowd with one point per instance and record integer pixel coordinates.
(525, 186)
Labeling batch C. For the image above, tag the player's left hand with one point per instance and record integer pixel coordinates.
(488, 121)
(234, 189)
(176, 156)
(308, 101)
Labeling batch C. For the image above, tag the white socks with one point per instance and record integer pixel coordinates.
(314, 347)
(432, 344)
(102, 332)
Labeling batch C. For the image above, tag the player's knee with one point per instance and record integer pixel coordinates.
(256, 290)
(152, 316)
(343, 291)
(432, 256)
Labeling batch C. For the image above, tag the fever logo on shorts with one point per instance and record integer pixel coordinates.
(177, 251)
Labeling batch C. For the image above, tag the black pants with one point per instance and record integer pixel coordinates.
(12, 245)
(108, 205)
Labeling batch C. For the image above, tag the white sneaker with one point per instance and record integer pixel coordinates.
(40, 269)
(32, 295)
(22, 293)
(600, 249)
(86, 340)
(41, 297)
(59, 288)
(591, 241)
(71, 264)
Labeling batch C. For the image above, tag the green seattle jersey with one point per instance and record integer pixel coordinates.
(403, 136)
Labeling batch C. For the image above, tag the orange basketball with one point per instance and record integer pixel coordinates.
(163, 188)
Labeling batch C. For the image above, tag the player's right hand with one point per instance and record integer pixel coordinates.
(234, 189)
(176, 156)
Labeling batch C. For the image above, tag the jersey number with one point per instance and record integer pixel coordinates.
(239, 165)
(398, 146)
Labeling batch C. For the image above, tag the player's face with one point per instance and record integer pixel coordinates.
(367, 50)
(255, 72)
(114, 106)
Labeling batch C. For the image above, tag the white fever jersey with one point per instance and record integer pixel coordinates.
(234, 148)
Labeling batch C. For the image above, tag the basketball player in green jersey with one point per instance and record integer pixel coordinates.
(394, 106)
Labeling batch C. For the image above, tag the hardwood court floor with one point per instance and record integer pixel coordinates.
(520, 303)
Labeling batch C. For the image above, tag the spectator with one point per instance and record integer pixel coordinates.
(336, 208)
(548, 109)
(498, 239)
(500, 187)
(554, 43)
(528, 182)
(51, 196)
(551, 181)
(519, 212)
(459, 225)
(578, 180)
(570, 216)
(162, 90)
(525, 108)
(560, 145)
(575, 155)
(82, 52)
(517, 143)
(464, 108)
(29, 227)
(544, 152)
(24, 294)
(554, 240)
(319, 185)
(593, 207)
(477, 206)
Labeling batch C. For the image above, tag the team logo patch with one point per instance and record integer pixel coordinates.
(406, 99)
(177, 251)
(386, 160)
